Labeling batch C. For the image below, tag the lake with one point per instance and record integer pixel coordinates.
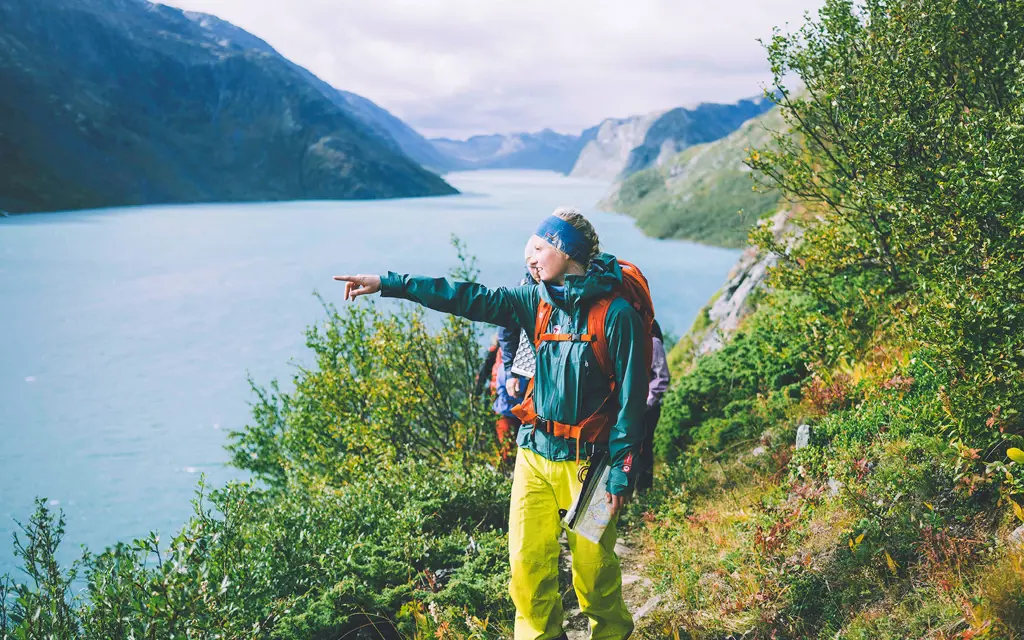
(127, 335)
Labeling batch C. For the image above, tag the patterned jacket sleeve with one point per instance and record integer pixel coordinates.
(660, 376)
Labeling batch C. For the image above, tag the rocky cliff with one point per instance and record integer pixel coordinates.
(124, 102)
(605, 156)
(720, 318)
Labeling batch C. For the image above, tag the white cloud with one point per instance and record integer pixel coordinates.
(461, 67)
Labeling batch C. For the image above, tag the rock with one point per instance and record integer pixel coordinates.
(606, 155)
(803, 436)
(758, 451)
(628, 579)
(1016, 536)
(745, 277)
(834, 486)
(647, 607)
(622, 550)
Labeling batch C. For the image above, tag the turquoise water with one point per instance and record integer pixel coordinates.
(126, 334)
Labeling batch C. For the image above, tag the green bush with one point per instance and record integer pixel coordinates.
(285, 564)
(385, 388)
(911, 176)
(734, 393)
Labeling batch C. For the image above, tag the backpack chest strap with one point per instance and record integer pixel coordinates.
(568, 337)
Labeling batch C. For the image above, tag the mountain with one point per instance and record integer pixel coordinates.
(698, 194)
(377, 121)
(608, 151)
(677, 129)
(123, 102)
(409, 141)
(544, 150)
(623, 147)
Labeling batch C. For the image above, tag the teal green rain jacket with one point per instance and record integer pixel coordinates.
(569, 384)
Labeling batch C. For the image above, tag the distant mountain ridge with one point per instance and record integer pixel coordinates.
(623, 147)
(678, 129)
(124, 102)
(612, 150)
(543, 150)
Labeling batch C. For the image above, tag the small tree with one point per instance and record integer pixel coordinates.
(906, 154)
(385, 387)
(41, 608)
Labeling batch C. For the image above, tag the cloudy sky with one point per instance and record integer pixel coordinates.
(457, 68)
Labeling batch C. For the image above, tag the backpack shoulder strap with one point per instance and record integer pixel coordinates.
(596, 318)
(544, 311)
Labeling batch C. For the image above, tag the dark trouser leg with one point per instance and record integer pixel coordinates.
(645, 479)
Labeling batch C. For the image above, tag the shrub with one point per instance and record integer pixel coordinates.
(291, 564)
(734, 393)
(910, 174)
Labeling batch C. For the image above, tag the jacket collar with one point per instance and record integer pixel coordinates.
(599, 280)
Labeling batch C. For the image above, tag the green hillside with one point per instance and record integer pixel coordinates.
(705, 193)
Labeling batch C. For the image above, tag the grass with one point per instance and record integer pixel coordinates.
(741, 546)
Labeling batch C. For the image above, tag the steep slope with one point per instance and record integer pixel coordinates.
(698, 194)
(123, 102)
(376, 120)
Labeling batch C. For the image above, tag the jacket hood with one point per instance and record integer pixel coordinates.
(601, 277)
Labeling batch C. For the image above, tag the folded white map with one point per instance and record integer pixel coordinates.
(589, 515)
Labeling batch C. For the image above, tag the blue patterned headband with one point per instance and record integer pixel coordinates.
(566, 238)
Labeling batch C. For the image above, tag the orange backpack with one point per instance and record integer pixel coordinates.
(596, 427)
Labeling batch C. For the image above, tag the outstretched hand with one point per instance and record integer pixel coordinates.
(360, 285)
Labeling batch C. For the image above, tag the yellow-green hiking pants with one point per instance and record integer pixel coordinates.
(540, 487)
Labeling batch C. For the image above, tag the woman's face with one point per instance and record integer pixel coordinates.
(544, 261)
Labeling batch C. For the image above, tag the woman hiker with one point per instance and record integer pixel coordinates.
(569, 389)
